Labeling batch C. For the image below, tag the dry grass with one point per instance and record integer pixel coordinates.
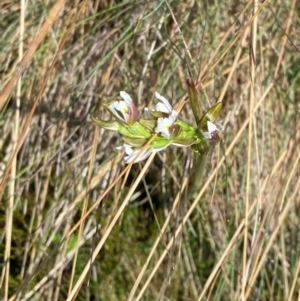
(78, 224)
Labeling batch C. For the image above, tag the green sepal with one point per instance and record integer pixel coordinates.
(124, 131)
(159, 114)
(108, 125)
(187, 131)
(184, 126)
(107, 107)
(135, 130)
(160, 142)
(202, 147)
(149, 124)
(211, 115)
(185, 141)
(186, 135)
(135, 142)
(175, 130)
(139, 130)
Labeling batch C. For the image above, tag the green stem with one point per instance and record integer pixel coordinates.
(196, 176)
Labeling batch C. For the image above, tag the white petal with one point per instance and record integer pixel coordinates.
(181, 145)
(126, 147)
(120, 106)
(134, 157)
(126, 97)
(173, 115)
(132, 154)
(211, 127)
(165, 106)
(120, 110)
(144, 154)
(206, 135)
(160, 107)
(163, 126)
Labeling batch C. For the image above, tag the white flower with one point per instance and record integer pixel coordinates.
(138, 154)
(125, 110)
(126, 147)
(164, 124)
(213, 130)
(163, 106)
(135, 155)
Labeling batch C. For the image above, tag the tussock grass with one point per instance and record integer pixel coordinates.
(78, 224)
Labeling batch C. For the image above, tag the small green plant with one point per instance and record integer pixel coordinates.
(156, 129)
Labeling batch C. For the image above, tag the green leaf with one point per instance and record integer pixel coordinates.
(193, 97)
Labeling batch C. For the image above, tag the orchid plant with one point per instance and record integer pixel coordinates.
(159, 128)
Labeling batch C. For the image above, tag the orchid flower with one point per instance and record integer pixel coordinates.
(163, 106)
(212, 131)
(207, 124)
(134, 155)
(124, 110)
(164, 124)
(165, 116)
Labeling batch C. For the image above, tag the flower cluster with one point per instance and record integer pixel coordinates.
(156, 129)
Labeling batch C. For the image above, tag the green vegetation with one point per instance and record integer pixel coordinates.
(77, 223)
